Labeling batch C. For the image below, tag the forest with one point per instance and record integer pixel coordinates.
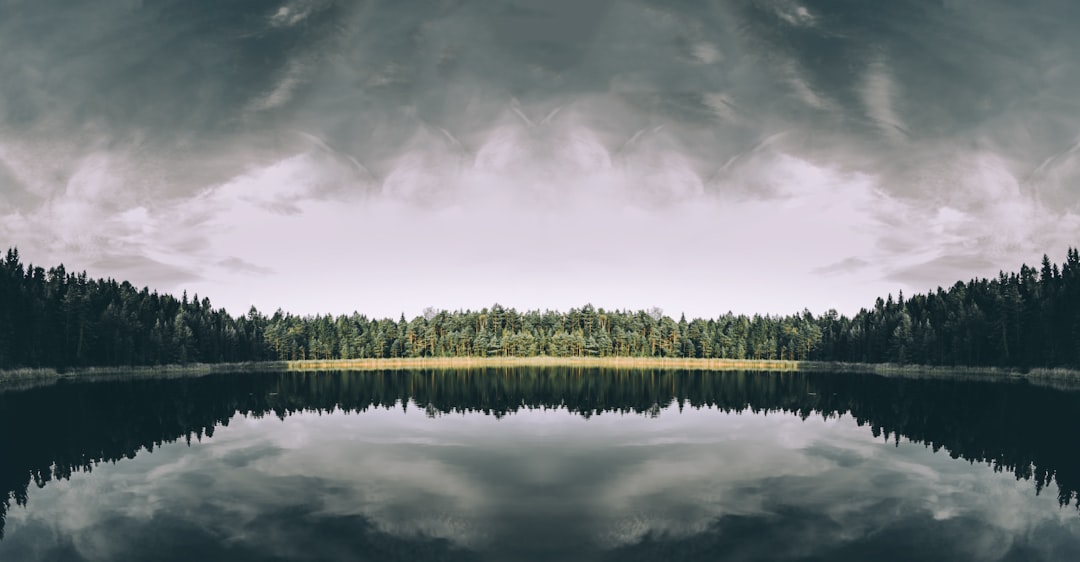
(59, 319)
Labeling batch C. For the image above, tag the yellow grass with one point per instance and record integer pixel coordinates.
(541, 361)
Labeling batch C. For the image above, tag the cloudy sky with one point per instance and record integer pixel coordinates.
(384, 156)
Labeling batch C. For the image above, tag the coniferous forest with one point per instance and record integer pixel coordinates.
(54, 318)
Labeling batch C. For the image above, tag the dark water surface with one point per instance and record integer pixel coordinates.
(540, 464)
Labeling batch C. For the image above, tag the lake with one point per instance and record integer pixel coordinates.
(540, 464)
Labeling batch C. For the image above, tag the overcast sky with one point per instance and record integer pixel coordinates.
(701, 156)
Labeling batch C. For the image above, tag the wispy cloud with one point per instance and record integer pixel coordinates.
(879, 96)
(237, 264)
(846, 265)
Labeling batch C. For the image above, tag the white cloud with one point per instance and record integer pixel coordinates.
(707, 53)
(292, 13)
(802, 89)
(794, 14)
(879, 95)
(973, 211)
(291, 78)
(722, 105)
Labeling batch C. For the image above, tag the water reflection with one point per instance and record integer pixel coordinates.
(349, 475)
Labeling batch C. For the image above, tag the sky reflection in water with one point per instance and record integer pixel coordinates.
(541, 484)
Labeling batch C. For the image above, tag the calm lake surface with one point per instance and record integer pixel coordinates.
(540, 464)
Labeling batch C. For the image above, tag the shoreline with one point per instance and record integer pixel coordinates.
(31, 377)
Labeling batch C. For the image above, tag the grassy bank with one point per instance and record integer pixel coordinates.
(16, 379)
(25, 378)
(583, 362)
(1066, 379)
(1058, 378)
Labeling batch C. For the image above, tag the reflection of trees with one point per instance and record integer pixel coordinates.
(51, 432)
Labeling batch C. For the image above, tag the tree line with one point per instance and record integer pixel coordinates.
(55, 318)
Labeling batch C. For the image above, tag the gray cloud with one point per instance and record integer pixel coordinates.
(847, 265)
(147, 271)
(957, 267)
(243, 266)
(158, 108)
(179, 73)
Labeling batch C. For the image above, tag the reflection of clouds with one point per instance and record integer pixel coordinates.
(680, 491)
(832, 482)
(230, 484)
(396, 483)
(535, 478)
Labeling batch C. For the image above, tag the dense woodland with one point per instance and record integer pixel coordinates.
(54, 318)
(76, 426)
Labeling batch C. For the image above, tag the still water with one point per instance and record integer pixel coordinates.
(540, 464)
